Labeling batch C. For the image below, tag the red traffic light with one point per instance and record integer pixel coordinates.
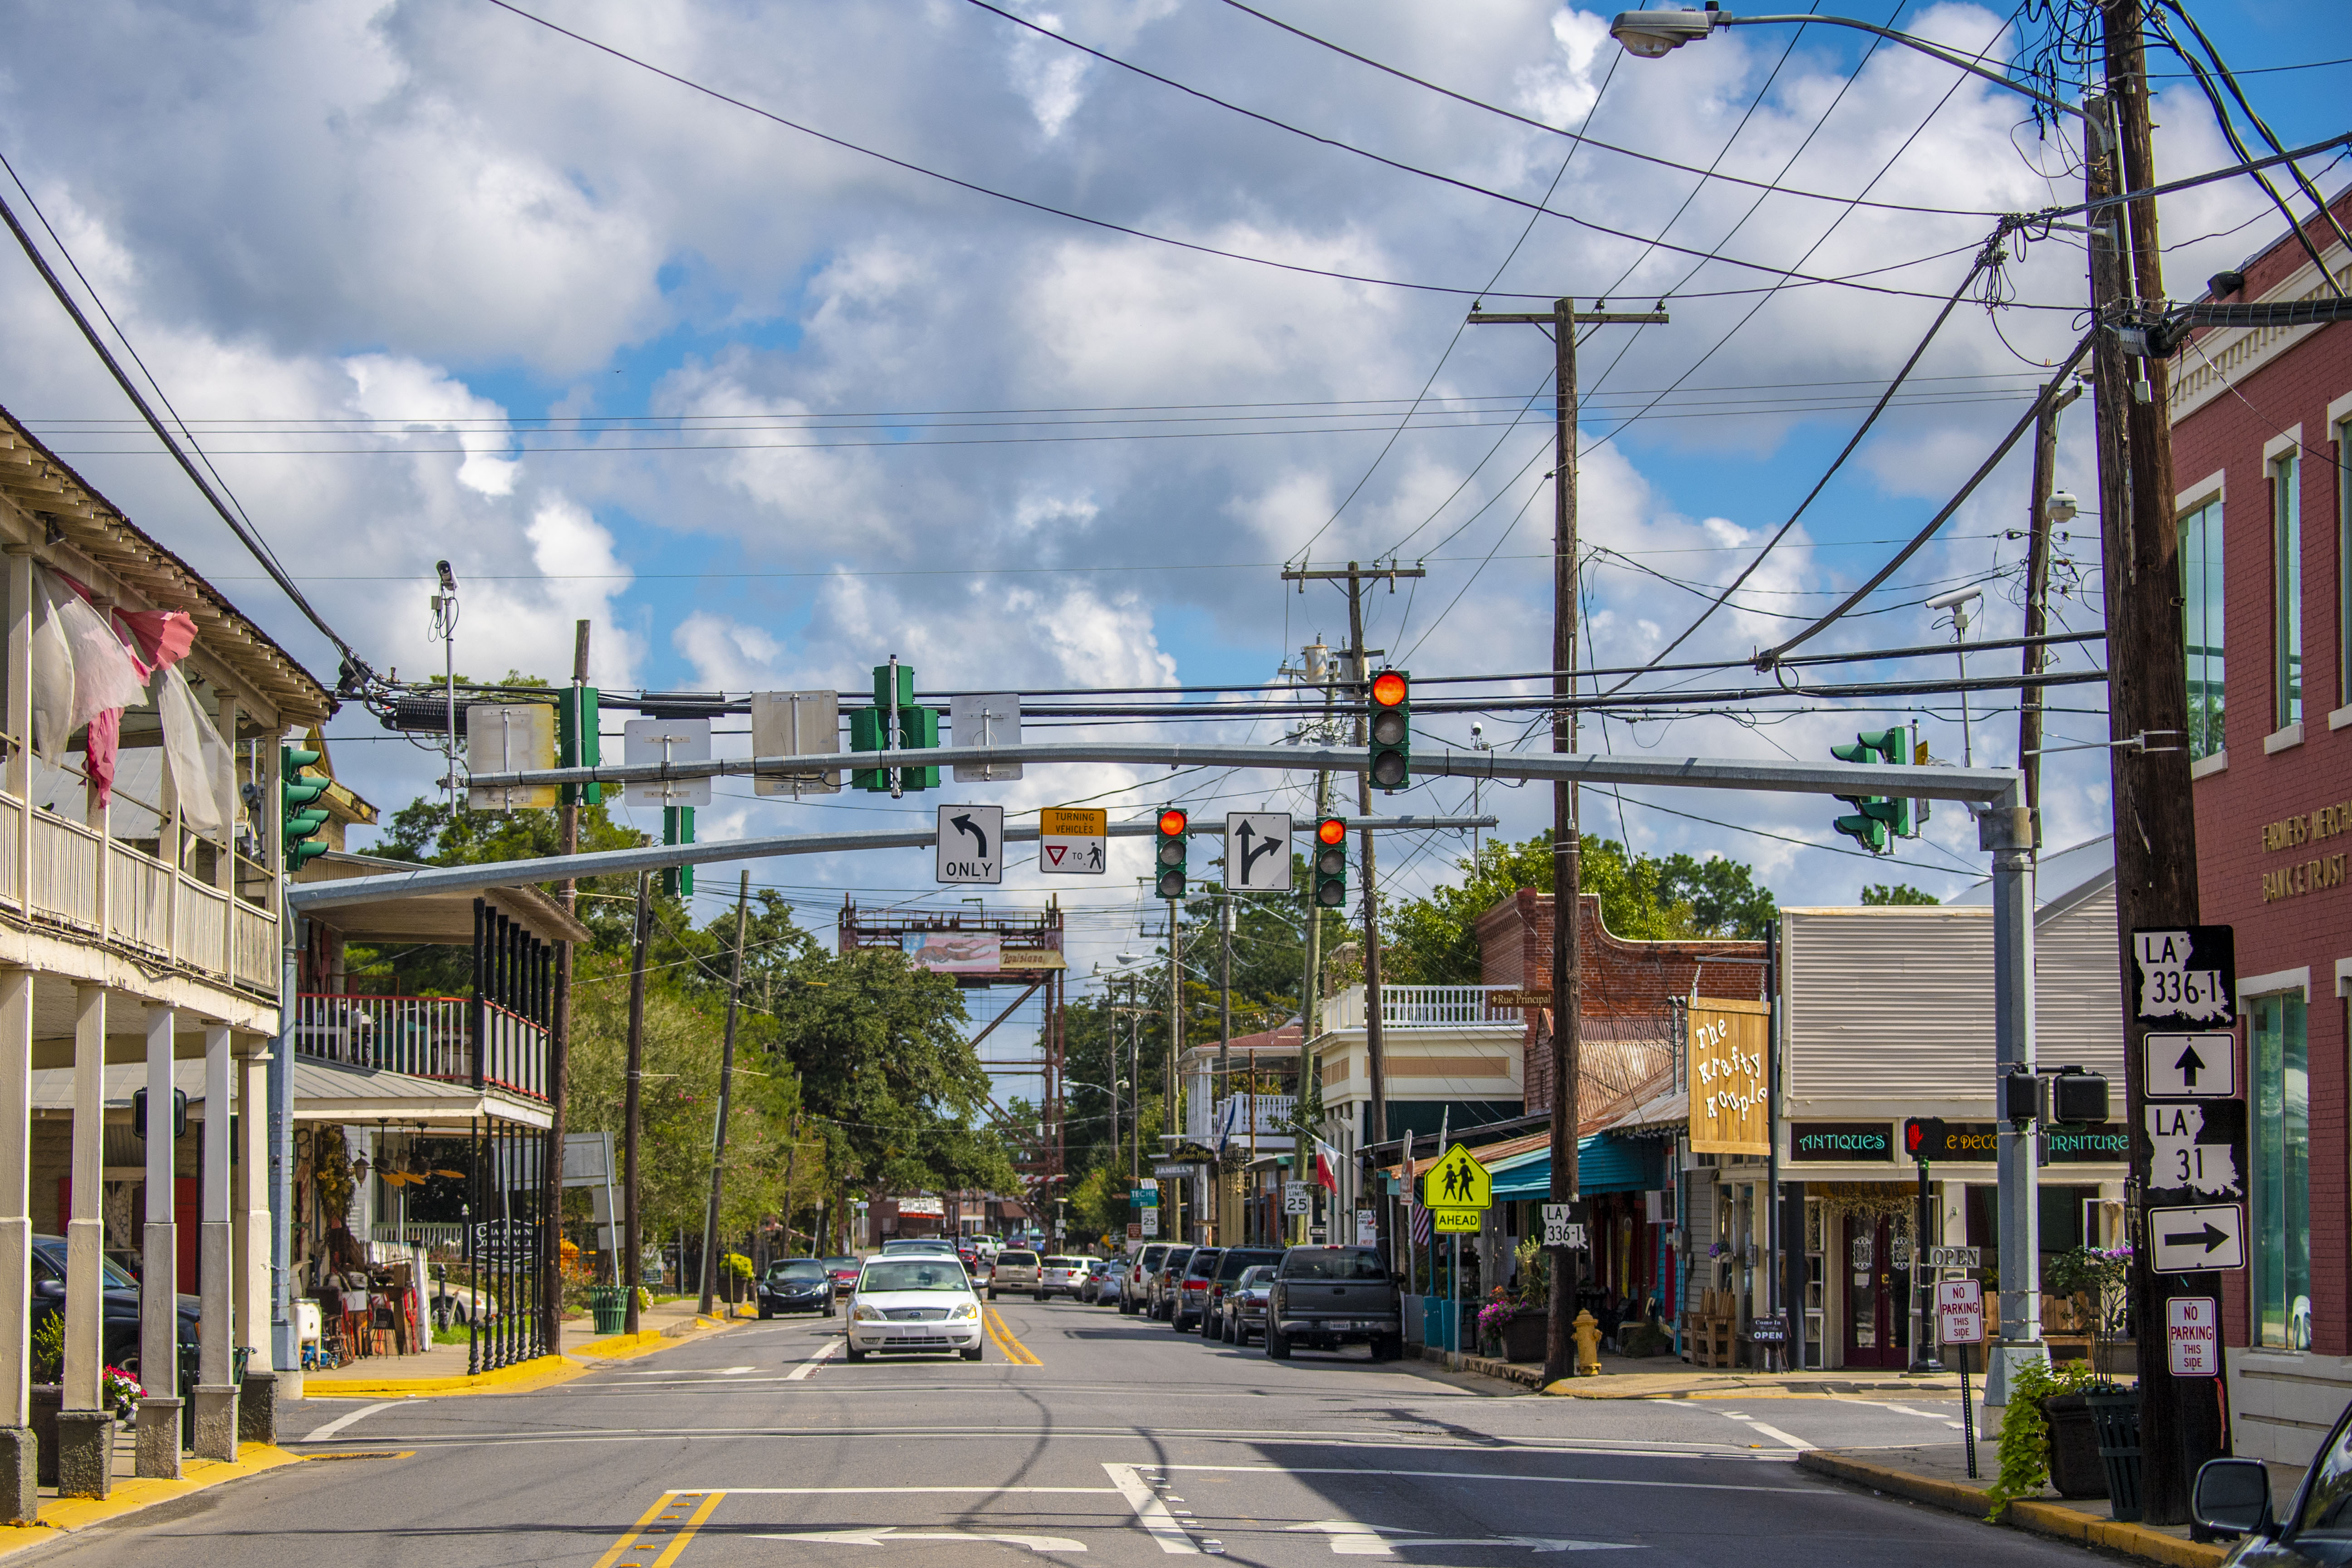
(1331, 830)
(1388, 689)
(1172, 822)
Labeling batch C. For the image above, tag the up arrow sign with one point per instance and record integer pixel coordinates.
(2191, 1067)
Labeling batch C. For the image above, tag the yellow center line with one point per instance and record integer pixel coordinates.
(1015, 1350)
(663, 1511)
(710, 1503)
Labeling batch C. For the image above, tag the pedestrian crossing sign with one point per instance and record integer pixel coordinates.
(1457, 1181)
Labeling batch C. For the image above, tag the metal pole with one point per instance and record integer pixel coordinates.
(1921, 1362)
(1375, 1046)
(632, 1249)
(726, 1086)
(1175, 1052)
(559, 1041)
(1224, 1035)
(2009, 833)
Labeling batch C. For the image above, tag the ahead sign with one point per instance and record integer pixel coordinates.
(1960, 1311)
(1257, 851)
(972, 844)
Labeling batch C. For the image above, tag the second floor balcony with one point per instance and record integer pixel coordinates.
(453, 1039)
(1428, 1008)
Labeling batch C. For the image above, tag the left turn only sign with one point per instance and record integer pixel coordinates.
(972, 844)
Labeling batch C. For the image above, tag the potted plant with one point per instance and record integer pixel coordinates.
(47, 1394)
(2048, 1436)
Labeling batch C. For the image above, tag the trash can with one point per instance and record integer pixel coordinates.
(2115, 1413)
(610, 1303)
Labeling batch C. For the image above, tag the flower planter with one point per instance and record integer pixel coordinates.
(2076, 1469)
(48, 1399)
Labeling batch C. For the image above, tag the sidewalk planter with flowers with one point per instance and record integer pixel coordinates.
(1511, 1329)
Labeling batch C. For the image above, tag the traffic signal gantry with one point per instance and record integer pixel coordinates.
(894, 724)
(1880, 819)
(304, 818)
(1330, 880)
(1172, 846)
(1390, 725)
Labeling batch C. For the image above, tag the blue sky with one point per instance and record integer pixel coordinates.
(357, 238)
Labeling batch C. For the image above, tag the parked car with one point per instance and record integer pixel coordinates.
(118, 1305)
(796, 1285)
(1160, 1293)
(1134, 1288)
(2234, 1496)
(845, 1274)
(1191, 1291)
(1016, 1269)
(1061, 1275)
(1232, 1264)
(914, 1303)
(1091, 1285)
(974, 1263)
(1112, 1290)
(1242, 1311)
(1326, 1297)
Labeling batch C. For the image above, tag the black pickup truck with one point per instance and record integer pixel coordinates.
(1326, 1297)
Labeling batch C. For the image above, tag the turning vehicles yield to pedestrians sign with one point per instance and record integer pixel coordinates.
(1257, 851)
(972, 844)
(1070, 842)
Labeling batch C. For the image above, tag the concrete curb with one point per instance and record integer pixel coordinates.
(1647, 1385)
(65, 1515)
(2040, 1517)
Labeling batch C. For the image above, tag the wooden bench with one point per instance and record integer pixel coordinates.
(1710, 1329)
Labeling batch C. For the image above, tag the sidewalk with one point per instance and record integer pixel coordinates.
(1661, 1377)
(1937, 1475)
(441, 1371)
(65, 1515)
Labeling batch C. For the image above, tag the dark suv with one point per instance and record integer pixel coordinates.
(1232, 1264)
(1193, 1291)
(118, 1307)
(1136, 1285)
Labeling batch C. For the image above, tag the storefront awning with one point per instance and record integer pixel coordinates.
(1603, 1164)
(324, 1091)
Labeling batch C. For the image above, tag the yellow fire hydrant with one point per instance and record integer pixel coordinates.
(1588, 1346)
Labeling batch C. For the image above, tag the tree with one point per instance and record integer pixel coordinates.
(1724, 898)
(1895, 893)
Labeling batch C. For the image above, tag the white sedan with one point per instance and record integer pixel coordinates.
(919, 1305)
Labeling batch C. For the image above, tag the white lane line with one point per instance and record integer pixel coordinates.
(869, 1491)
(1465, 1476)
(889, 1534)
(810, 1364)
(1907, 1410)
(340, 1422)
(1150, 1512)
(1779, 1436)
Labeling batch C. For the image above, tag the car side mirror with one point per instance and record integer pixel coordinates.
(2234, 1495)
(50, 1289)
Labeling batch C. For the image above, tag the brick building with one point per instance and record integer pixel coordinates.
(2262, 418)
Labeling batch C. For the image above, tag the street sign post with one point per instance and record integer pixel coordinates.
(2203, 1236)
(2186, 974)
(2192, 1336)
(1071, 842)
(971, 845)
(2191, 1067)
(645, 742)
(1257, 851)
(1149, 1221)
(1299, 1197)
(1561, 1227)
(985, 719)
(1956, 1258)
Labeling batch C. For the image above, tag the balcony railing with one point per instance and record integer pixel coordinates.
(423, 1036)
(1426, 1007)
(60, 874)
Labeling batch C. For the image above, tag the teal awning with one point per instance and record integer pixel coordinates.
(1604, 1163)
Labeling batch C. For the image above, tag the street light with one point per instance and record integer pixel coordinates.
(1651, 35)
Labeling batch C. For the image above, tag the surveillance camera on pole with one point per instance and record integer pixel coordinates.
(1958, 601)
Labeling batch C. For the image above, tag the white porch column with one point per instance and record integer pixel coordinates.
(19, 1499)
(222, 1325)
(158, 1275)
(249, 1211)
(85, 1229)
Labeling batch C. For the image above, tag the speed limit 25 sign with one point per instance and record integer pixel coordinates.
(2184, 975)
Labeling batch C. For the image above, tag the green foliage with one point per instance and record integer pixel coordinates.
(1895, 893)
(49, 1348)
(1535, 1273)
(2024, 1450)
(1433, 941)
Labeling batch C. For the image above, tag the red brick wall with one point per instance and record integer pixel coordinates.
(2226, 435)
(1622, 978)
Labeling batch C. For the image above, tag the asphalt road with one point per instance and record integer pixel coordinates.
(1083, 1436)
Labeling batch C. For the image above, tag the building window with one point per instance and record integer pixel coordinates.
(2201, 596)
(2287, 593)
(2278, 1053)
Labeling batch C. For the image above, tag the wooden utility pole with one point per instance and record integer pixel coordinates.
(2156, 826)
(1360, 676)
(632, 1251)
(558, 1054)
(726, 1090)
(1566, 966)
(2037, 589)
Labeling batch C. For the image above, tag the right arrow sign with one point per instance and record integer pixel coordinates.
(2187, 1240)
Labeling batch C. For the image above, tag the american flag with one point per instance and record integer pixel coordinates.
(1419, 1217)
(1420, 1226)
